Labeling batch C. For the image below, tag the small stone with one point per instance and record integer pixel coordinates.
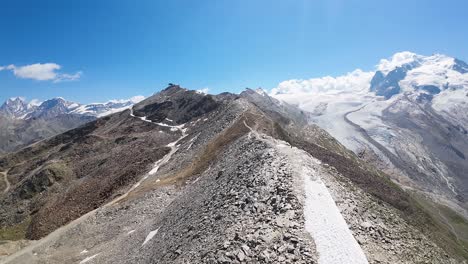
(226, 244)
(282, 249)
(287, 236)
(223, 259)
(366, 225)
(240, 255)
(246, 249)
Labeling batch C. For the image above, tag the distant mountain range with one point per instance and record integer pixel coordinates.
(410, 117)
(23, 123)
(18, 108)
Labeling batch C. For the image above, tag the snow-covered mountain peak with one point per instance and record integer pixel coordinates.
(15, 104)
(412, 73)
(403, 72)
(437, 70)
(16, 107)
(14, 100)
(51, 108)
(107, 108)
(260, 91)
(398, 60)
(411, 61)
(408, 116)
(134, 99)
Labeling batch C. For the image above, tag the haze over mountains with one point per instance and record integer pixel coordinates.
(364, 168)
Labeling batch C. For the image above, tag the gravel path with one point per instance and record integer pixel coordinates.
(5, 178)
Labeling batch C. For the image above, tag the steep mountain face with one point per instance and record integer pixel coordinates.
(16, 108)
(184, 177)
(51, 108)
(409, 119)
(23, 124)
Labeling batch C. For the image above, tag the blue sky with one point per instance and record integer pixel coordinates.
(111, 49)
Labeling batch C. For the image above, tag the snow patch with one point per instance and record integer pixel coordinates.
(158, 163)
(334, 241)
(88, 259)
(150, 236)
(203, 91)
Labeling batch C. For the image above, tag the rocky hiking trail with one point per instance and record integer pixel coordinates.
(334, 240)
(7, 183)
(28, 254)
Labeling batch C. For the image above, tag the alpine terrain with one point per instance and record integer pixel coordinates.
(408, 118)
(23, 123)
(188, 177)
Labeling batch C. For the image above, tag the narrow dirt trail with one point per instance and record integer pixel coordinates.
(27, 254)
(5, 178)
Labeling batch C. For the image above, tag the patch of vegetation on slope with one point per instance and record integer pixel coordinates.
(44, 179)
(15, 232)
(446, 217)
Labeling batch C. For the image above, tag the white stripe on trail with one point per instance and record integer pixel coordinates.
(7, 183)
(334, 241)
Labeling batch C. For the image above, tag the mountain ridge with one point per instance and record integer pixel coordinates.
(185, 176)
(160, 184)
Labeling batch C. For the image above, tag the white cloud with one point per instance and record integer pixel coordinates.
(134, 100)
(397, 60)
(68, 77)
(355, 81)
(203, 90)
(137, 99)
(42, 72)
